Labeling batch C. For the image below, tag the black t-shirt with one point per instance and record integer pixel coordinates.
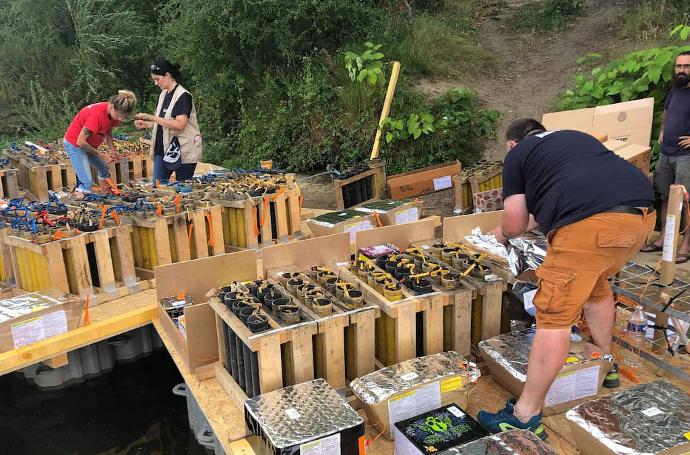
(567, 176)
(183, 106)
(676, 121)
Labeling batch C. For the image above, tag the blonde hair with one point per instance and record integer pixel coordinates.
(125, 102)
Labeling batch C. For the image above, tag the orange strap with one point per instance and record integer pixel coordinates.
(87, 316)
(377, 218)
(300, 199)
(211, 241)
(177, 203)
(265, 210)
(101, 222)
(116, 217)
(181, 296)
(158, 182)
(58, 235)
(256, 221)
(189, 232)
(159, 209)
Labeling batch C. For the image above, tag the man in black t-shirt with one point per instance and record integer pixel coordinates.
(674, 162)
(596, 210)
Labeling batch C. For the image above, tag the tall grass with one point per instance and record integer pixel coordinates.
(652, 20)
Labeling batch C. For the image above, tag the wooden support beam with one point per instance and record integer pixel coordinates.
(392, 82)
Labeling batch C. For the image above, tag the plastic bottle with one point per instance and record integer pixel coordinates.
(637, 331)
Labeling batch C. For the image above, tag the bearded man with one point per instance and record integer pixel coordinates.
(674, 162)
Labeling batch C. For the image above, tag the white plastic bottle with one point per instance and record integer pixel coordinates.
(637, 331)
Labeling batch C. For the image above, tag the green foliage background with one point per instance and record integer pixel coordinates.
(268, 76)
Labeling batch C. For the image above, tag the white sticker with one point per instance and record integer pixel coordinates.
(456, 412)
(573, 386)
(409, 376)
(407, 216)
(330, 445)
(529, 298)
(426, 247)
(651, 412)
(669, 234)
(356, 227)
(442, 183)
(342, 264)
(292, 413)
(414, 403)
(36, 329)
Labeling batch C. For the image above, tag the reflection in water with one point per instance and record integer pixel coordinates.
(128, 411)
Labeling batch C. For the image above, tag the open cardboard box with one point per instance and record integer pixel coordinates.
(393, 212)
(402, 235)
(630, 121)
(423, 181)
(38, 325)
(350, 224)
(638, 155)
(196, 278)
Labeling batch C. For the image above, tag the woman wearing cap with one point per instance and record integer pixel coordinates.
(89, 128)
(175, 137)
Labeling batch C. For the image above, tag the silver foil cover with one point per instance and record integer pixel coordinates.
(511, 352)
(521, 442)
(301, 413)
(526, 253)
(380, 385)
(644, 420)
(18, 306)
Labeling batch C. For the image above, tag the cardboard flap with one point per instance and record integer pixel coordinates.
(455, 228)
(401, 235)
(579, 119)
(327, 250)
(632, 114)
(198, 276)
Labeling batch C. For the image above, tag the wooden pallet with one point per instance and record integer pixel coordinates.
(370, 185)
(39, 180)
(442, 318)
(279, 357)
(133, 167)
(176, 238)
(9, 184)
(99, 264)
(262, 221)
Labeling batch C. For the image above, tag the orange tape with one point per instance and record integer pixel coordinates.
(177, 203)
(256, 222)
(101, 222)
(87, 316)
(189, 232)
(159, 209)
(377, 218)
(116, 217)
(211, 241)
(265, 209)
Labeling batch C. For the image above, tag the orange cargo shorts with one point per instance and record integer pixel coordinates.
(580, 258)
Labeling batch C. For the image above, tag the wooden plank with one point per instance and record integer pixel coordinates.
(327, 250)
(400, 235)
(492, 301)
(162, 242)
(75, 339)
(249, 227)
(364, 328)
(58, 361)
(392, 82)
(55, 182)
(136, 167)
(281, 217)
(199, 233)
(76, 249)
(462, 323)
(181, 240)
(123, 242)
(233, 390)
(270, 375)
(302, 354)
(333, 334)
(405, 332)
(266, 224)
(56, 266)
(104, 261)
(216, 228)
(433, 324)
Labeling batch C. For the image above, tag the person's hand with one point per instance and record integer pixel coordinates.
(684, 141)
(142, 125)
(498, 233)
(144, 116)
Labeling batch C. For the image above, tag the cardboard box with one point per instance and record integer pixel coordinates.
(352, 222)
(630, 121)
(638, 155)
(393, 212)
(601, 137)
(488, 201)
(422, 181)
(578, 381)
(199, 345)
(51, 313)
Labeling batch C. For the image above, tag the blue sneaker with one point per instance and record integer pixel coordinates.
(504, 420)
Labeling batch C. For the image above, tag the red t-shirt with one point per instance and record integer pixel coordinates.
(95, 118)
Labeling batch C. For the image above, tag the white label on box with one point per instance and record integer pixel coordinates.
(407, 216)
(409, 376)
(442, 183)
(529, 299)
(355, 227)
(330, 445)
(667, 255)
(36, 329)
(292, 413)
(403, 446)
(456, 411)
(414, 402)
(573, 386)
(651, 412)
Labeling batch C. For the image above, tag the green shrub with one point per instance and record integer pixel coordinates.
(546, 15)
(649, 20)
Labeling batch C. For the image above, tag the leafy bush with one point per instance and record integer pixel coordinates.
(546, 15)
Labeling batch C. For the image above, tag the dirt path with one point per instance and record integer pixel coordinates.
(532, 69)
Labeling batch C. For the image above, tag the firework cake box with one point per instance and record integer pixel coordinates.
(433, 432)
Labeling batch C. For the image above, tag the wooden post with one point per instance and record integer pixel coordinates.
(672, 224)
(392, 82)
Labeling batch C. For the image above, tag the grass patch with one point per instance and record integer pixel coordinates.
(546, 15)
(652, 20)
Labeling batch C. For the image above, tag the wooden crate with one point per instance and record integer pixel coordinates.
(278, 357)
(262, 221)
(9, 184)
(472, 181)
(41, 179)
(133, 167)
(99, 264)
(176, 238)
(369, 185)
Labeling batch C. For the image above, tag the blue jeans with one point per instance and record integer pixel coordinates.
(81, 162)
(162, 174)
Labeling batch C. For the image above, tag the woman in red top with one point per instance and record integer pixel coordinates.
(90, 127)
